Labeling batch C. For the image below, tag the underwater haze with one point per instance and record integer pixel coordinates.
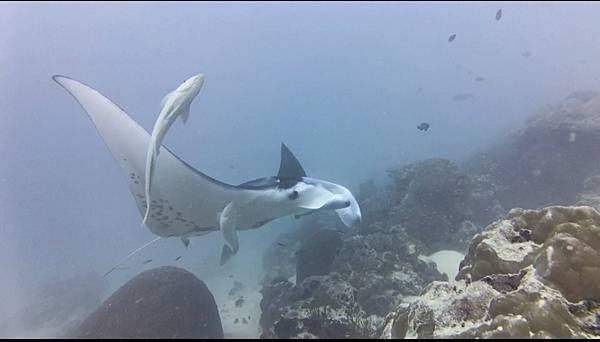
(344, 85)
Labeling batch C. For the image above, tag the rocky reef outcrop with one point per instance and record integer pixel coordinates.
(548, 161)
(533, 274)
(316, 254)
(430, 200)
(164, 302)
(371, 273)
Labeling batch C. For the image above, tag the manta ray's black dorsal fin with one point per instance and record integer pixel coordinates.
(290, 167)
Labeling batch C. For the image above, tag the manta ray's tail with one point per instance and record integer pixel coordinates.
(130, 255)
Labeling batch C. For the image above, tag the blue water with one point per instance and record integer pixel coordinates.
(337, 82)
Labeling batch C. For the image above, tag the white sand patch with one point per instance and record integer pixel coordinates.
(447, 261)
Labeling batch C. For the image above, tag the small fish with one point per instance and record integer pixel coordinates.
(451, 38)
(424, 126)
(479, 79)
(420, 89)
(499, 14)
(179, 257)
(147, 261)
(526, 54)
(231, 276)
(236, 321)
(281, 244)
(462, 96)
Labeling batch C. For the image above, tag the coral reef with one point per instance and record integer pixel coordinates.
(547, 162)
(370, 275)
(163, 302)
(316, 255)
(429, 198)
(534, 274)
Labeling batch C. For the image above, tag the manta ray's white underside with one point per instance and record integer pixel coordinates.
(186, 202)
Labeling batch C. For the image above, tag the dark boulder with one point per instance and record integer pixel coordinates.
(164, 302)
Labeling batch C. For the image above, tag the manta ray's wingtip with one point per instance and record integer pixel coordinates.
(56, 77)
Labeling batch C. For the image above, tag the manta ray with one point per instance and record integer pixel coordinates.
(188, 203)
(175, 104)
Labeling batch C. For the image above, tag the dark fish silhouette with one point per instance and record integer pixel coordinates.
(147, 261)
(424, 126)
(179, 257)
(479, 79)
(462, 97)
(451, 38)
(499, 14)
(526, 54)
(420, 89)
(280, 244)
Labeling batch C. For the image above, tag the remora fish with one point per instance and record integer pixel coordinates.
(175, 104)
(191, 203)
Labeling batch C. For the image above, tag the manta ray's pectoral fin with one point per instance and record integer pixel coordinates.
(227, 223)
(186, 241)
